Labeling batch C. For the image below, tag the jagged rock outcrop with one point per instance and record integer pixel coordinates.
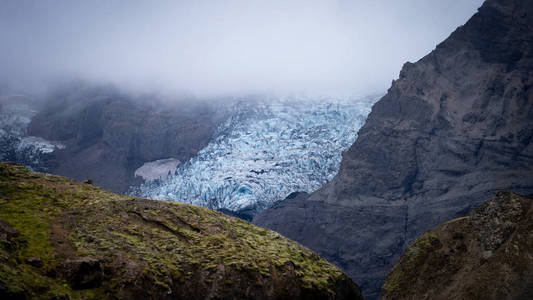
(487, 255)
(61, 239)
(453, 129)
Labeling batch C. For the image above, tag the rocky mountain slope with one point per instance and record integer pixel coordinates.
(264, 151)
(61, 239)
(107, 134)
(271, 145)
(453, 129)
(487, 255)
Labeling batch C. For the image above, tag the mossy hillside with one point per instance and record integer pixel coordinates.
(401, 278)
(145, 248)
(30, 203)
(436, 253)
(485, 255)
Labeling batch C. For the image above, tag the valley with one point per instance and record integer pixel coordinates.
(244, 168)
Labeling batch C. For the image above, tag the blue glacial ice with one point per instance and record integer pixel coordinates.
(15, 144)
(265, 151)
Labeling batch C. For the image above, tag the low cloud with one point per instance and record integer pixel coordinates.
(222, 47)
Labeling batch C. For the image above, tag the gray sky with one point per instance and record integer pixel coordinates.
(225, 46)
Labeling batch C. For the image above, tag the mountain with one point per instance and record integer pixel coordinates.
(61, 239)
(183, 150)
(267, 149)
(486, 255)
(456, 127)
(100, 133)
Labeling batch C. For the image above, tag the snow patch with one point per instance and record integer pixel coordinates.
(39, 144)
(158, 169)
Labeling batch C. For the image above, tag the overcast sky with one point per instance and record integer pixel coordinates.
(226, 46)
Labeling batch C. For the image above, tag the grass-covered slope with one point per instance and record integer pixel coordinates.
(487, 255)
(62, 239)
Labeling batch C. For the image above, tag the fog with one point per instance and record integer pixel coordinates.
(222, 47)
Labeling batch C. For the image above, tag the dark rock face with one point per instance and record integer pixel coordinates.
(83, 272)
(245, 215)
(108, 135)
(7, 232)
(487, 255)
(453, 129)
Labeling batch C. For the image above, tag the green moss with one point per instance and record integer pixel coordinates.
(31, 207)
(29, 212)
(172, 242)
(403, 277)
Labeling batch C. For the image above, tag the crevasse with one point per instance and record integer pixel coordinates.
(265, 151)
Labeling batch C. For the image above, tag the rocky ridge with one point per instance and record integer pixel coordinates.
(456, 127)
(486, 255)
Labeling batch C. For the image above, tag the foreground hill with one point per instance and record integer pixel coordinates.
(62, 239)
(453, 129)
(487, 255)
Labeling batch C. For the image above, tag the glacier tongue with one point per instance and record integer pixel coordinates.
(265, 151)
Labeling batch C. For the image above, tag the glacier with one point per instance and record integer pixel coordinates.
(15, 116)
(264, 151)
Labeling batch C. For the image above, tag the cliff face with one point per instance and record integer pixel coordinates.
(453, 129)
(108, 135)
(60, 239)
(487, 255)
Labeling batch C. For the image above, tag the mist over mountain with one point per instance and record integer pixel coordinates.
(277, 113)
(221, 47)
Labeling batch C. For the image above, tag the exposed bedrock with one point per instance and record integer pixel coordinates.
(456, 127)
